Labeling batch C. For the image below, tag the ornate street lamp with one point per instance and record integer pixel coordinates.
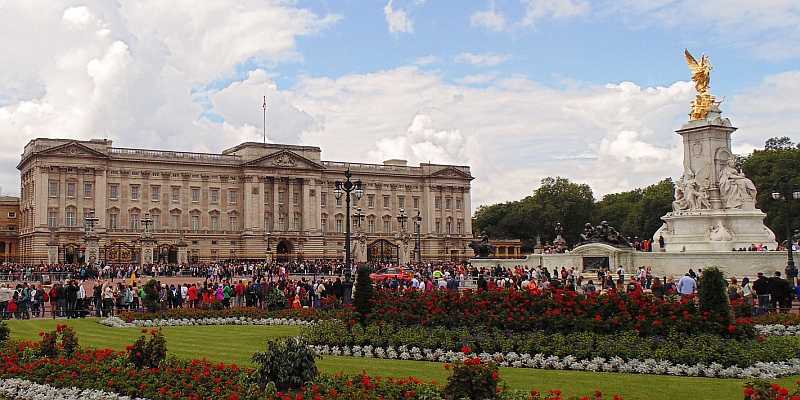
(418, 227)
(345, 189)
(89, 222)
(787, 194)
(146, 222)
(402, 218)
(269, 249)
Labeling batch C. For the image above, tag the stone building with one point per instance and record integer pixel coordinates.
(9, 228)
(237, 204)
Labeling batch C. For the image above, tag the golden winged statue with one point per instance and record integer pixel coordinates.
(701, 75)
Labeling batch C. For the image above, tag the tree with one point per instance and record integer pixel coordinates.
(559, 200)
(362, 301)
(714, 296)
(778, 143)
(767, 169)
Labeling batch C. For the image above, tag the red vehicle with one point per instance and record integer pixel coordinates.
(391, 272)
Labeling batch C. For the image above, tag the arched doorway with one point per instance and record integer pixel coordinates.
(284, 250)
(383, 251)
(167, 254)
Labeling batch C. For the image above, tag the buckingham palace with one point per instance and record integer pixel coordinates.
(252, 201)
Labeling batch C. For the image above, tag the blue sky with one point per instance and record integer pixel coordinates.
(518, 89)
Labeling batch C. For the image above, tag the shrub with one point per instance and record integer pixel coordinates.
(5, 332)
(51, 347)
(287, 362)
(275, 300)
(148, 353)
(150, 300)
(472, 379)
(362, 301)
(713, 295)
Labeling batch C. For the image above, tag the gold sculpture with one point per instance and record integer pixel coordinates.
(701, 75)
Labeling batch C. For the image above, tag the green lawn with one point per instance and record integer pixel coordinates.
(235, 344)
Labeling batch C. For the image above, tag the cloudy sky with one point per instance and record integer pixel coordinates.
(518, 89)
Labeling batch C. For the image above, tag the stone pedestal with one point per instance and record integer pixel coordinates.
(358, 246)
(403, 242)
(183, 253)
(714, 207)
(92, 254)
(52, 254)
(148, 251)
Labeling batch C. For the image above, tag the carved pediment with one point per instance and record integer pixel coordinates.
(452, 172)
(73, 149)
(284, 159)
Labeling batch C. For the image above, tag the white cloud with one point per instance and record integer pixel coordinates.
(427, 60)
(490, 19)
(477, 79)
(483, 59)
(536, 10)
(397, 20)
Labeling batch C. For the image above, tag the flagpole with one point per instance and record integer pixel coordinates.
(264, 107)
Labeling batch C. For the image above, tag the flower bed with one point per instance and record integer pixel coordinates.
(787, 319)
(676, 348)
(105, 374)
(116, 322)
(27, 390)
(768, 370)
(552, 311)
(777, 330)
(307, 314)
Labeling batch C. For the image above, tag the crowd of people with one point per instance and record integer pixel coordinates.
(101, 290)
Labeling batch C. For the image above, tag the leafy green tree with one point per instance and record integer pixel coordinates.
(778, 143)
(713, 295)
(767, 169)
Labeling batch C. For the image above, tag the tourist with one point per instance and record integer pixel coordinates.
(658, 289)
(780, 293)
(762, 289)
(6, 294)
(687, 285)
(734, 291)
(747, 291)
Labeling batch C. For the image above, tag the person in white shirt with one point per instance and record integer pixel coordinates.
(687, 285)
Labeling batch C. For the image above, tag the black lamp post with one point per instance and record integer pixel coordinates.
(418, 227)
(788, 195)
(269, 249)
(401, 219)
(345, 189)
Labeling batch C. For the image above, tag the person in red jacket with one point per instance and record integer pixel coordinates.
(239, 292)
(192, 294)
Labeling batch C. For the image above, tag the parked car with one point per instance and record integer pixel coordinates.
(392, 272)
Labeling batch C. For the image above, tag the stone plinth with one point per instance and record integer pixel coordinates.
(92, 254)
(715, 230)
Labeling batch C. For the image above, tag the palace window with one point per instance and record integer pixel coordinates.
(176, 194)
(437, 202)
(87, 190)
(70, 217)
(215, 222)
(460, 227)
(113, 220)
(233, 222)
(134, 192)
(371, 200)
(12, 214)
(195, 195)
(401, 201)
(195, 222)
(52, 188)
(449, 226)
(113, 191)
(448, 202)
(175, 220)
(339, 224)
(387, 224)
(416, 202)
(214, 196)
(155, 192)
(296, 198)
(339, 201)
(438, 225)
(297, 221)
(133, 220)
(371, 224)
(232, 196)
(323, 199)
(156, 216)
(458, 204)
(71, 189)
(386, 201)
(323, 220)
(282, 222)
(52, 218)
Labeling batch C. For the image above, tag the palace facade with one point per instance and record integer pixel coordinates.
(252, 201)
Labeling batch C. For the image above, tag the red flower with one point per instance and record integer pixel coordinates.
(466, 349)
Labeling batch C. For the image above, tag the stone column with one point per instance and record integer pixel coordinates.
(148, 251)
(41, 196)
(275, 208)
(100, 183)
(290, 186)
(467, 206)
